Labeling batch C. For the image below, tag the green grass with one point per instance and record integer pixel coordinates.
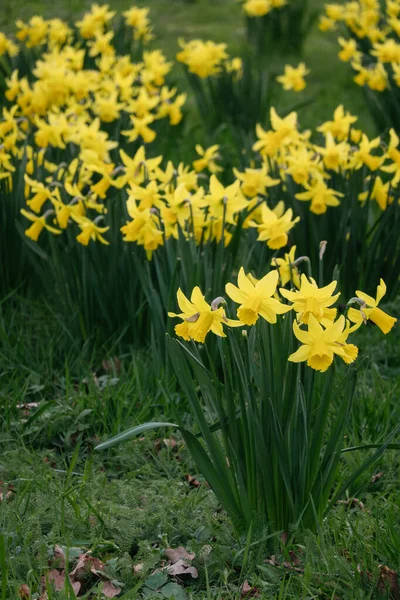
(129, 504)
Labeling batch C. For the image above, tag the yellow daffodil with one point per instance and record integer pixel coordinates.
(199, 317)
(339, 127)
(320, 344)
(275, 225)
(369, 310)
(89, 230)
(320, 195)
(38, 224)
(207, 160)
(256, 298)
(312, 300)
(255, 181)
(293, 77)
(287, 269)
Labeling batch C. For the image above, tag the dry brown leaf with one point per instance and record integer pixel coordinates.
(182, 568)
(388, 580)
(247, 591)
(192, 481)
(109, 590)
(24, 592)
(112, 365)
(87, 564)
(138, 568)
(352, 503)
(58, 578)
(6, 491)
(174, 555)
(377, 476)
(59, 556)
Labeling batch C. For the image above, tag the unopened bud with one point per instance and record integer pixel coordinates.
(322, 248)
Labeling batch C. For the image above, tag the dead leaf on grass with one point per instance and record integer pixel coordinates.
(180, 567)
(59, 556)
(138, 568)
(352, 503)
(6, 491)
(388, 580)
(248, 591)
(109, 590)
(376, 477)
(24, 592)
(87, 564)
(174, 555)
(192, 481)
(112, 365)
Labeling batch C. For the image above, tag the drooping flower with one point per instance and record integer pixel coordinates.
(199, 317)
(256, 298)
(38, 224)
(286, 268)
(369, 310)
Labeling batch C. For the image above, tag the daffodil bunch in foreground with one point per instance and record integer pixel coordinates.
(266, 438)
(322, 333)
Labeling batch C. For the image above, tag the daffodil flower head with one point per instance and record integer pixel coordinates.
(369, 310)
(256, 298)
(320, 344)
(312, 300)
(275, 225)
(287, 269)
(199, 317)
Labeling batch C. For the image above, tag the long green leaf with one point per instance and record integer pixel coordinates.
(133, 432)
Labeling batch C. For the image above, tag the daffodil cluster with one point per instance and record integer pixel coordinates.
(207, 58)
(260, 8)
(370, 42)
(311, 168)
(163, 200)
(316, 325)
(80, 86)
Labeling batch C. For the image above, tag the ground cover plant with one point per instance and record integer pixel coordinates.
(244, 444)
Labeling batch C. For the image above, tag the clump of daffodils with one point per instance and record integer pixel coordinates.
(308, 163)
(260, 8)
(370, 40)
(207, 58)
(316, 325)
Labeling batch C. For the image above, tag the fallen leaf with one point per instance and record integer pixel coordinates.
(174, 555)
(352, 503)
(247, 591)
(87, 564)
(112, 365)
(388, 581)
(6, 491)
(109, 590)
(24, 592)
(192, 481)
(138, 568)
(182, 568)
(377, 476)
(58, 578)
(59, 556)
